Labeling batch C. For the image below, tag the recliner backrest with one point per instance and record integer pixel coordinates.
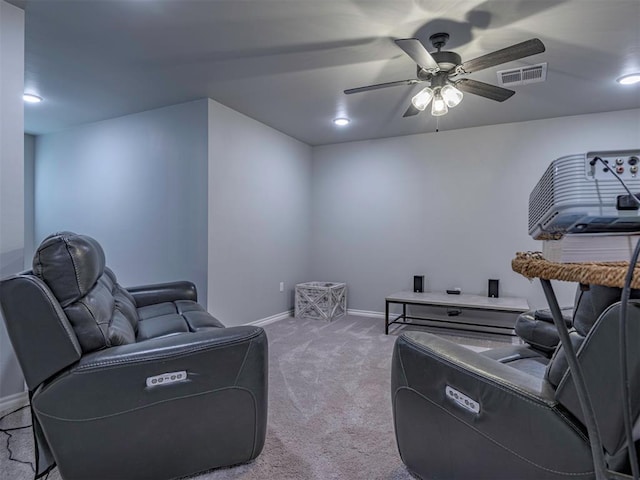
(596, 340)
(102, 313)
(68, 305)
(41, 335)
(600, 363)
(590, 303)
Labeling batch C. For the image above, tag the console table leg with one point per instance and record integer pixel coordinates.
(386, 318)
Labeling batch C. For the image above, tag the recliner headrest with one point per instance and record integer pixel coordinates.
(591, 303)
(70, 264)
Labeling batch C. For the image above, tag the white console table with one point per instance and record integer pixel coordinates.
(465, 312)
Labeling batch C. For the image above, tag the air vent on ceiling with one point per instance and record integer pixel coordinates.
(524, 75)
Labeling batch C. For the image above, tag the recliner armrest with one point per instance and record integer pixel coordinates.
(503, 416)
(486, 369)
(112, 381)
(166, 348)
(112, 420)
(163, 292)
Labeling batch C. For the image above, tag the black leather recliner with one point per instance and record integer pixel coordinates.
(512, 413)
(130, 383)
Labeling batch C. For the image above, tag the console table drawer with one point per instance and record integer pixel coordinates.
(464, 315)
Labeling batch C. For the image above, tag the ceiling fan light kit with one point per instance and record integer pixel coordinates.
(422, 99)
(439, 106)
(452, 96)
(446, 97)
(442, 69)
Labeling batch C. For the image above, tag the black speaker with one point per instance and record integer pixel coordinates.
(493, 287)
(418, 283)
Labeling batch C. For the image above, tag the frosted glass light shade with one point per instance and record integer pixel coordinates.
(422, 98)
(451, 95)
(439, 106)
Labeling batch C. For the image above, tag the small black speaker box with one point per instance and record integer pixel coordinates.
(418, 283)
(493, 287)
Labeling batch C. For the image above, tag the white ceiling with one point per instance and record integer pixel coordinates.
(287, 62)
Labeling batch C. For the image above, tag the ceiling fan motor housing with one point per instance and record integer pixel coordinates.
(447, 61)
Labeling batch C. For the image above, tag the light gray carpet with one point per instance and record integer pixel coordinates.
(329, 407)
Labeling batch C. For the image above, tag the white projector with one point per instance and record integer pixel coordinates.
(580, 194)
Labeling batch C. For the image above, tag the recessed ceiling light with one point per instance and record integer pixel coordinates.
(341, 122)
(629, 79)
(31, 98)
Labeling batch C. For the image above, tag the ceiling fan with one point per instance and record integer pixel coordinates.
(442, 69)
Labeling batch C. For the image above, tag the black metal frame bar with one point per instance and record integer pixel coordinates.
(452, 324)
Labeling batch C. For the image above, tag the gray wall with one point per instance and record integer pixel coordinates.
(138, 184)
(29, 198)
(259, 224)
(450, 205)
(11, 174)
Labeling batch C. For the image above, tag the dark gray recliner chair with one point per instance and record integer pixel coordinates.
(512, 413)
(130, 383)
(536, 327)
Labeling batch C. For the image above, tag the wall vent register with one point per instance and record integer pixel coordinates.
(524, 75)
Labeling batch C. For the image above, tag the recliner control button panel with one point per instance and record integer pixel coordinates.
(462, 400)
(166, 378)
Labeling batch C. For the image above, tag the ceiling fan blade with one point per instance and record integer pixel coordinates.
(382, 85)
(514, 52)
(414, 48)
(411, 111)
(486, 90)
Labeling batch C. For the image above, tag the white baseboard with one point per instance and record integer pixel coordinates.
(365, 313)
(14, 401)
(289, 313)
(272, 319)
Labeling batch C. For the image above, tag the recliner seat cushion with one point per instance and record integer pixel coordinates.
(169, 318)
(100, 311)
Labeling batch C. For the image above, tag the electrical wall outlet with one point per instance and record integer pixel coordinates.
(282, 286)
